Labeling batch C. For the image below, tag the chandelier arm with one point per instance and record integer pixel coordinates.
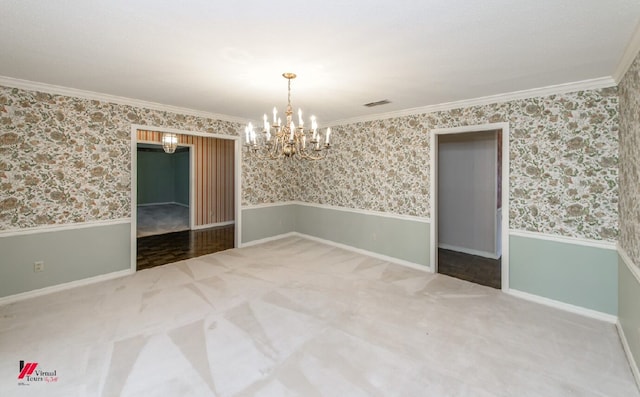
(314, 158)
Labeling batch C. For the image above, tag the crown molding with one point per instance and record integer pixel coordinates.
(592, 84)
(92, 95)
(630, 53)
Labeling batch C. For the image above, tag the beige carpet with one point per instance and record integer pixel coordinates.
(298, 318)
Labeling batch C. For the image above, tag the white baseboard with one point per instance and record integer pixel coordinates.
(470, 251)
(343, 246)
(267, 239)
(391, 259)
(610, 318)
(62, 287)
(210, 225)
(627, 352)
(165, 203)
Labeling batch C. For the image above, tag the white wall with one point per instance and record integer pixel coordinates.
(467, 193)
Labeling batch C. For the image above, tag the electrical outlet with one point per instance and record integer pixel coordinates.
(38, 266)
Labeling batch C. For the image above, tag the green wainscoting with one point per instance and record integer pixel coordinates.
(68, 255)
(629, 308)
(268, 221)
(576, 274)
(405, 239)
(402, 238)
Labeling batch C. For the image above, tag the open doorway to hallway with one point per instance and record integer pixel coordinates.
(468, 203)
(469, 207)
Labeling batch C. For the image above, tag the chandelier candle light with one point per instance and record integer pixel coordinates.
(287, 140)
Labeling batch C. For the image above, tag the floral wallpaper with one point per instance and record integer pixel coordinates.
(563, 163)
(630, 162)
(66, 160)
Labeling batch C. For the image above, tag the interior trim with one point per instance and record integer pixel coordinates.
(564, 306)
(237, 171)
(391, 259)
(627, 351)
(630, 53)
(60, 228)
(267, 239)
(92, 95)
(592, 84)
(345, 209)
(433, 189)
(564, 239)
(343, 246)
(65, 286)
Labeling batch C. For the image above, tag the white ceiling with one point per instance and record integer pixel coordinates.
(228, 57)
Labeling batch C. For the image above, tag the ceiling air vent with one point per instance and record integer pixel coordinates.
(378, 103)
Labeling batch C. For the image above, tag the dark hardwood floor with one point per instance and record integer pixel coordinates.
(477, 269)
(172, 247)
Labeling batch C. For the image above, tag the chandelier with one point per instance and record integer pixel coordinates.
(286, 140)
(169, 142)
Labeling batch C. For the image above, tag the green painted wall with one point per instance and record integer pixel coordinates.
(68, 255)
(404, 239)
(163, 178)
(570, 273)
(628, 313)
(156, 178)
(264, 222)
(181, 178)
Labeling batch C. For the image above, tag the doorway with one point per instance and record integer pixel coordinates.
(469, 196)
(164, 189)
(211, 187)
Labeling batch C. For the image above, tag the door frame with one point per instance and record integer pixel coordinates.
(237, 171)
(505, 191)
